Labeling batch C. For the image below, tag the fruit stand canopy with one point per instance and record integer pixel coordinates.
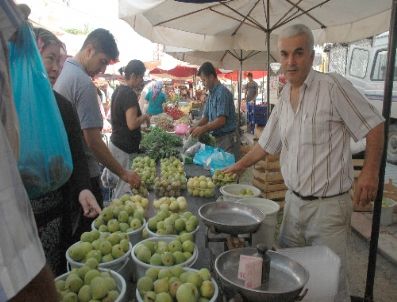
(243, 24)
(176, 73)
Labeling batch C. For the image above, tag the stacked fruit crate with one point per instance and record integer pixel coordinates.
(267, 177)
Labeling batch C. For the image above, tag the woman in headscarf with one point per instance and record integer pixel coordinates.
(156, 98)
(58, 213)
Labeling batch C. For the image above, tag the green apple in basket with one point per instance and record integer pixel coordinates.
(87, 284)
(163, 253)
(187, 286)
(106, 248)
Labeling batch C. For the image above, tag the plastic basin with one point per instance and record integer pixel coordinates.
(120, 282)
(267, 229)
(232, 192)
(119, 265)
(134, 236)
(153, 234)
(213, 299)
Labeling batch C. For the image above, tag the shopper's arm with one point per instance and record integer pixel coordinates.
(133, 120)
(256, 154)
(94, 141)
(41, 288)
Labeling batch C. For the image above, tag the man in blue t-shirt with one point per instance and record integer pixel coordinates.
(219, 116)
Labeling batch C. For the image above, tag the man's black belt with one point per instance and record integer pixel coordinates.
(311, 197)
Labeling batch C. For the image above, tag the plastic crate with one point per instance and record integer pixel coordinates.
(260, 119)
(260, 109)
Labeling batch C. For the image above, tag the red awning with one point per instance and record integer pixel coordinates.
(175, 73)
(256, 74)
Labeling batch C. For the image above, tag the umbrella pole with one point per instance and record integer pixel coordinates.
(268, 61)
(240, 76)
(263, 86)
(369, 295)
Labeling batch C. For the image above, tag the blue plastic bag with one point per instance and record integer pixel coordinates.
(220, 160)
(203, 154)
(45, 162)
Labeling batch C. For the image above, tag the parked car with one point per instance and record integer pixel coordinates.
(366, 69)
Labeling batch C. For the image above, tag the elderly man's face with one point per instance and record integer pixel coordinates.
(296, 58)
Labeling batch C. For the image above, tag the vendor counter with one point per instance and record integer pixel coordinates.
(321, 263)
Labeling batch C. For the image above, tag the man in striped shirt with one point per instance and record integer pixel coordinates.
(311, 127)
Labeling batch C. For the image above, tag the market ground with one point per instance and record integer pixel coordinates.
(385, 288)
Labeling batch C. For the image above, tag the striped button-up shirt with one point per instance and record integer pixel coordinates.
(314, 141)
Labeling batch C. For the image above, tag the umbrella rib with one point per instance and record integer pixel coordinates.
(304, 12)
(235, 19)
(251, 54)
(248, 18)
(264, 10)
(224, 55)
(232, 54)
(243, 21)
(188, 14)
(285, 16)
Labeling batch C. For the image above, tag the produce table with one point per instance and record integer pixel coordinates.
(194, 203)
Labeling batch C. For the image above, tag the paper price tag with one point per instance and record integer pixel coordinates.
(250, 271)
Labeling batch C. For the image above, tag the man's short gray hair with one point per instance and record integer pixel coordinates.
(296, 30)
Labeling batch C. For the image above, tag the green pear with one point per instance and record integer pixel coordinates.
(144, 285)
(98, 288)
(91, 274)
(152, 272)
(187, 292)
(163, 297)
(85, 293)
(149, 296)
(70, 297)
(207, 289)
(73, 283)
(111, 296)
(161, 286)
(60, 285)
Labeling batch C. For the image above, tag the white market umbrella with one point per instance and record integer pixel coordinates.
(224, 59)
(243, 24)
(252, 24)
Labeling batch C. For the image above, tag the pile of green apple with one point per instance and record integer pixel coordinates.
(172, 204)
(176, 284)
(141, 190)
(146, 169)
(87, 283)
(201, 186)
(170, 186)
(171, 166)
(246, 192)
(103, 247)
(167, 223)
(135, 200)
(220, 178)
(163, 253)
(120, 218)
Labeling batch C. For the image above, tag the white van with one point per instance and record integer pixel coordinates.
(366, 69)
